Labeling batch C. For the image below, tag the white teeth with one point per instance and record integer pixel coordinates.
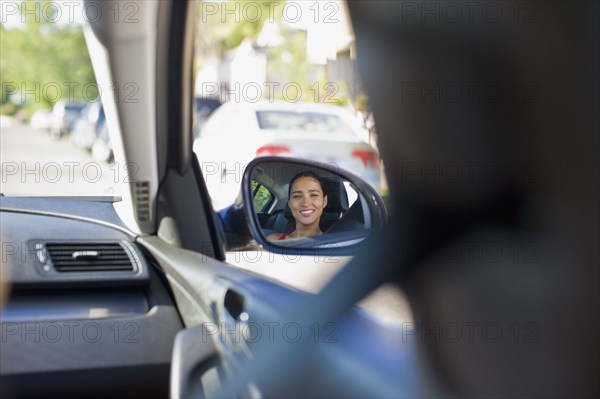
(307, 212)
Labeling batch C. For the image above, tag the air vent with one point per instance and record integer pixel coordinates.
(141, 199)
(83, 257)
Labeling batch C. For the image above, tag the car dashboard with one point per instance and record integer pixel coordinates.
(94, 308)
(86, 304)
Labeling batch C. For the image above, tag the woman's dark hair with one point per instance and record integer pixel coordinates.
(306, 173)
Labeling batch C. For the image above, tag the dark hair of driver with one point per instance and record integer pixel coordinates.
(306, 173)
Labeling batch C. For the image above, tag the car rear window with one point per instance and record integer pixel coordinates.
(74, 108)
(304, 121)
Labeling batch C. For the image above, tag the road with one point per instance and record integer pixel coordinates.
(34, 164)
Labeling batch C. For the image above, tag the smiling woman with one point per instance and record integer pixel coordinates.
(304, 205)
(306, 201)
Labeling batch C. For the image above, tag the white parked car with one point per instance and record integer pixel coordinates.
(239, 132)
(41, 119)
(64, 116)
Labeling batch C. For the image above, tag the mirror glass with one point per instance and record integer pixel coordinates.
(304, 205)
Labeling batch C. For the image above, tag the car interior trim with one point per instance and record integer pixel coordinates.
(72, 217)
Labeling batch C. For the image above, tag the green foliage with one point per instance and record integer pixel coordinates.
(288, 63)
(262, 196)
(44, 58)
(361, 103)
(225, 25)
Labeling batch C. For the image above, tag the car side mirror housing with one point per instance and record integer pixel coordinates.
(307, 224)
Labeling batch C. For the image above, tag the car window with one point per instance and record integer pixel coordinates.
(262, 197)
(206, 106)
(51, 142)
(281, 67)
(303, 121)
(351, 192)
(286, 74)
(74, 108)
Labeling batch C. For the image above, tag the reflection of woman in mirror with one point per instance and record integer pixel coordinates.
(306, 200)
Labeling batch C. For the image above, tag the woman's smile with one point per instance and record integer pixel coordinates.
(307, 212)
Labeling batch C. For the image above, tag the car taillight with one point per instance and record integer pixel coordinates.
(368, 158)
(272, 150)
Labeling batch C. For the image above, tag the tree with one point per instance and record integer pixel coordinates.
(223, 26)
(41, 59)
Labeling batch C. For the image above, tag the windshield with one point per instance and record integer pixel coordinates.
(51, 144)
(304, 121)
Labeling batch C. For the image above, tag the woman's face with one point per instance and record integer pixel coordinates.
(307, 201)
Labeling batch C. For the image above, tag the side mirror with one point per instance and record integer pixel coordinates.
(353, 208)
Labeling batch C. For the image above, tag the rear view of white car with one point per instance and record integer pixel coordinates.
(238, 132)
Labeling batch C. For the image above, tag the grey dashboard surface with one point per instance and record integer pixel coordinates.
(97, 208)
(94, 207)
(85, 326)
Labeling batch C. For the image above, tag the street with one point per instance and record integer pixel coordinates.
(34, 164)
